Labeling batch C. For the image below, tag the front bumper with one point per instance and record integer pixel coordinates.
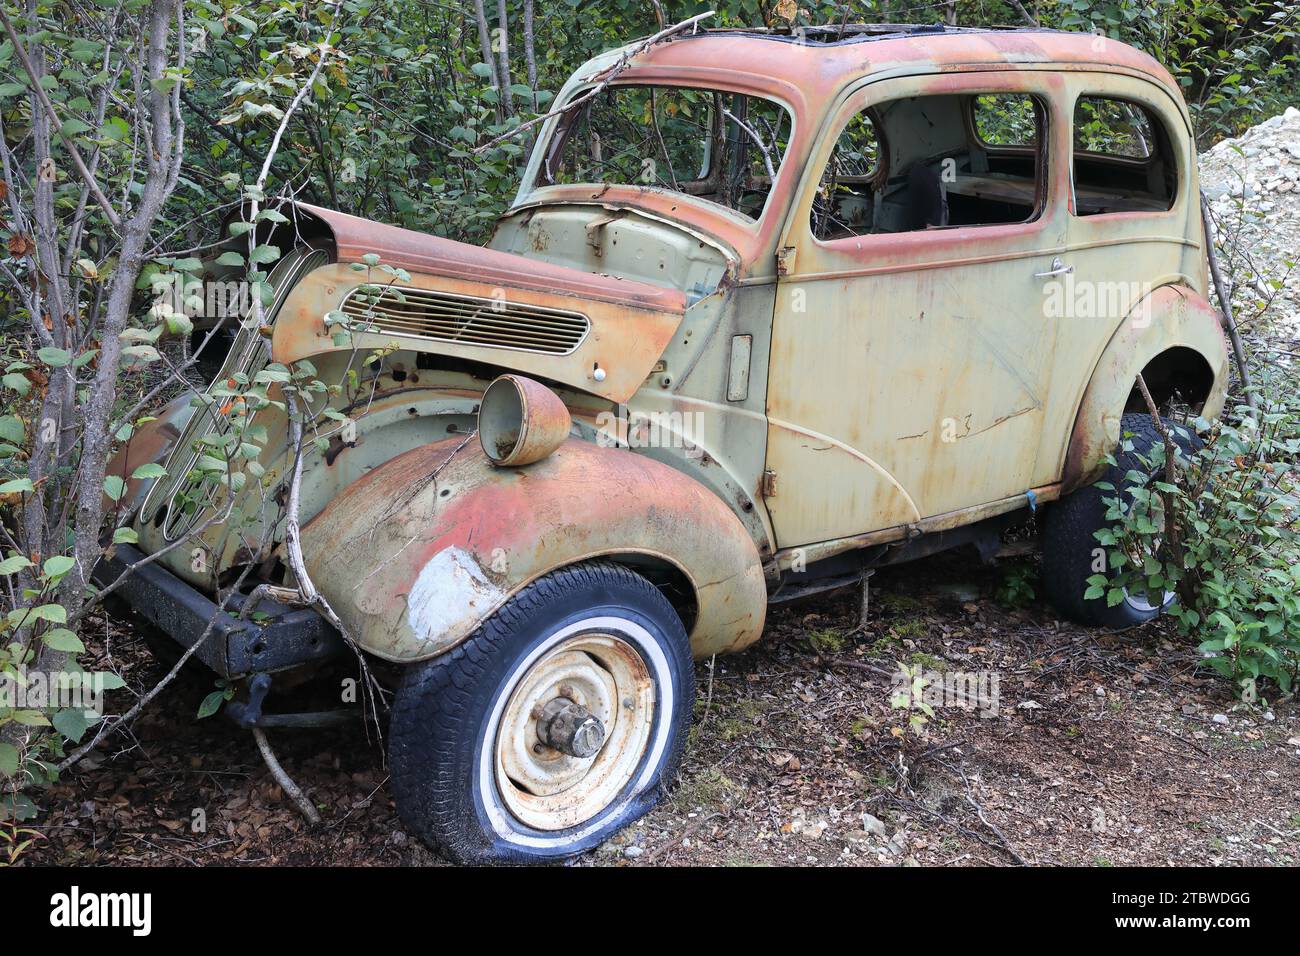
(287, 637)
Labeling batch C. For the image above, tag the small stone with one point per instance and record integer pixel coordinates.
(1029, 705)
(633, 851)
(1220, 718)
(1099, 691)
(874, 825)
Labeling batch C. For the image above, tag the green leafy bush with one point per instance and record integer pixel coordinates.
(1224, 535)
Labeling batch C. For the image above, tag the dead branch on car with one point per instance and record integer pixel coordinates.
(607, 77)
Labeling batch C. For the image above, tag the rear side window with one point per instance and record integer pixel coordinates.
(1123, 158)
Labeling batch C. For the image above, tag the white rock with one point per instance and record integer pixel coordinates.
(874, 825)
(1220, 718)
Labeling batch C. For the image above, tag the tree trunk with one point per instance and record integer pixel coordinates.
(503, 38)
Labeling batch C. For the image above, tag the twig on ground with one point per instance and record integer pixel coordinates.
(283, 779)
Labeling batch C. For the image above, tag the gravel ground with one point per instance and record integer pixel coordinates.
(1105, 750)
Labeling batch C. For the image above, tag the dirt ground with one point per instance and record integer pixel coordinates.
(1105, 749)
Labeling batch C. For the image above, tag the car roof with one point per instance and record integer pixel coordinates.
(819, 61)
(808, 72)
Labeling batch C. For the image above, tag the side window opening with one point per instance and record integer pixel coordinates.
(1123, 158)
(931, 162)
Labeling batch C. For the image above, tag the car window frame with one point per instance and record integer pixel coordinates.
(532, 192)
(1092, 87)
(859, 96)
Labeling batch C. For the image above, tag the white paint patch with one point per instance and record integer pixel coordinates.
(450, 590)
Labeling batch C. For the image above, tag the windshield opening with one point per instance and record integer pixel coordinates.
(720, 146)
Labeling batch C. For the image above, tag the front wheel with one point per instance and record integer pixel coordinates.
(557, 723)
(1071, 552)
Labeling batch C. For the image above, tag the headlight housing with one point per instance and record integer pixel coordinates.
(521, 421)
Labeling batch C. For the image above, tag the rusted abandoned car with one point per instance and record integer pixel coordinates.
(768, 311)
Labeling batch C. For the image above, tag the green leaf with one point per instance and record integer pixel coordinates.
(149, 470)
(114, 486)
(30, 718)
(13, 564)
(72, 723)
(126, 536)
(264, 254)
(211, 704)
(18, 383)
(8, 760)
(54, 613)
(17, 485)
(11, 429)
(108, 680)
(18, 807)
(58, 566)
(231, 258)
(143, 353)
(55, 358)
(61, 639)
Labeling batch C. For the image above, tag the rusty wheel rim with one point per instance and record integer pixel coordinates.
(545, 788)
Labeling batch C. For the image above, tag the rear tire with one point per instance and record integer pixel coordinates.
(470, 773)
(1071, 550)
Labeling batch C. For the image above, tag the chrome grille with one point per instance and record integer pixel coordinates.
(465, 320)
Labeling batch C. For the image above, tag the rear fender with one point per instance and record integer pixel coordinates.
(1170, 317)
(418, 552)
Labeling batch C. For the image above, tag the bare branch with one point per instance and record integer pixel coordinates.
(606, 77)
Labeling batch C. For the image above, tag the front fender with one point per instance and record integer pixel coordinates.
(1170, 317)
(417, 553)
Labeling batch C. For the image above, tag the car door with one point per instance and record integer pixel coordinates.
(909, 367)
(1132, 212)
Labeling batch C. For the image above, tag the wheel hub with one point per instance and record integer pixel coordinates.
(573, 731)
(570, 728)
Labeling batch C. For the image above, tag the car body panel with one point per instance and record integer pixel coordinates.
(416, 554)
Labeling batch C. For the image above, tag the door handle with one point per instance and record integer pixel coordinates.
(1059, 268)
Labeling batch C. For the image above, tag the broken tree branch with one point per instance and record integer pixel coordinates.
(1225, 307)
(283, 779)
(1172, 537)
(606, 77)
